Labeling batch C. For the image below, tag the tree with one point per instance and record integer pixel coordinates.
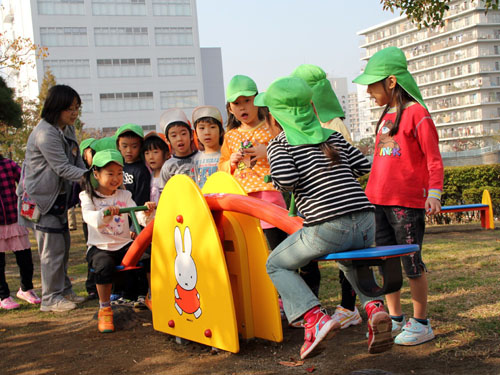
(10, 110)
(427, 13)
(14, 53)
(366, 145)
(48, 81)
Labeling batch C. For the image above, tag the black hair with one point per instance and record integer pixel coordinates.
(402, 98)
(92, 151)
(178, 123)
(233, 123)
(154, 142)
(59, 98)
(129, 134)
(86, 182)
(331, 153)
(212, 121)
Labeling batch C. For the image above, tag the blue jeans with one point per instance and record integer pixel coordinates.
(347, 232)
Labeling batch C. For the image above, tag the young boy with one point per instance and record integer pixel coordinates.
(207, 122)
(155, 153)
(175, 125)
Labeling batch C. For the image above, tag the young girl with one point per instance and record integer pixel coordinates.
(155, 152)
(406, 180)
(13, 237)
(109, 236)
(320, 168)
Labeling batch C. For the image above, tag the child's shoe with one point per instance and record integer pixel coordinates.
(346, 317)
(105, 320)
(397, 327)
(379, 328)
(324, 327)
(282, 310)
(28, 296)
(9, 303)
(73, 297)
(415, 333)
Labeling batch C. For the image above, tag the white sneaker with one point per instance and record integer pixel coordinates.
(397, 327)
(346, 317)
(414, 333)
(60, 306)
(73, 297)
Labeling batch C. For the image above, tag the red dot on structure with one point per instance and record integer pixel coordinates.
(179, 219)
(171, 323)
(208, 333)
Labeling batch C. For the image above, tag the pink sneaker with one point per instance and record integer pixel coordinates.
(379, 328)
(8, 303)
(28, 296)
(324, 328)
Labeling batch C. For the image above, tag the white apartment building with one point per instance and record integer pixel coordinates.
(457, 68)
(353, 116)
(129, 60)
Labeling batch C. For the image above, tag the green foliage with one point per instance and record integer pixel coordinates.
(48, 81)
(10, 110)
(475, 195)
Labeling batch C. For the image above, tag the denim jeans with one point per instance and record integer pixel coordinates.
(348, 232)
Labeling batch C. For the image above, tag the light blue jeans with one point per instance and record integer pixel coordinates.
(347, 232)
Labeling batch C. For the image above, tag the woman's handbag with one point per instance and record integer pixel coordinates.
(29, 209)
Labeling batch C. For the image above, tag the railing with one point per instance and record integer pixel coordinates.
(475, 152)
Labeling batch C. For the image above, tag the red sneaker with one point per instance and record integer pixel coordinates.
(379, 328)
(324, 327)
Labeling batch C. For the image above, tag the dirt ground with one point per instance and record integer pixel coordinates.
(32, 342)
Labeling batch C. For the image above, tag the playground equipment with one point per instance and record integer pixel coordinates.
(486, 209)
(208, 276)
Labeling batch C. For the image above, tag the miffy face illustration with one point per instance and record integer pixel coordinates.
(185, 268)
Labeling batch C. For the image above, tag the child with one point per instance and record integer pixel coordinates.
(207, 122)
(87, 151)
(109, 237)
(243, 152)
(320, 168)
(175, 125)
(406, 180)
(155, 153)
(13, 237)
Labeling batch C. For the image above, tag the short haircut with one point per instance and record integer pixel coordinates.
(59, 98)
(178, 123)
(128, 134)
(151, 143)
(211, 120)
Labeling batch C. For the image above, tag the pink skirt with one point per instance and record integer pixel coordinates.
(13, 237)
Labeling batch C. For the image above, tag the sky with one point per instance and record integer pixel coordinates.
(268, 39)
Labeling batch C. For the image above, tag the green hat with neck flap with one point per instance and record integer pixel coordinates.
(390, 61)
(289, 101)
(324, 99)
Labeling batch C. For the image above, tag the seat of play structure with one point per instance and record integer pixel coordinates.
(208, 267)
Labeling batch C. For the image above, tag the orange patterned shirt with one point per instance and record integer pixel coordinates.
(250, 174)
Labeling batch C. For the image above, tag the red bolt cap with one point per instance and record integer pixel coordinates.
(171, 323)
(179, 219)
(208, 333)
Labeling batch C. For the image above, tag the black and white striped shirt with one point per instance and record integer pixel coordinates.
(322, 192)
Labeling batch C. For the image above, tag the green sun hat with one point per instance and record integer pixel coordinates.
(134, 128)
(86, 143)
(386, 62)
(324, 99)
(289, 101)
(106, 143)
(240, 86)
(102, 158)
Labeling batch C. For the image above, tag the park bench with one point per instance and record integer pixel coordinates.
(486, 209)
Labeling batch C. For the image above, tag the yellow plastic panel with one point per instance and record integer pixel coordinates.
(489, 221)
(190, 285)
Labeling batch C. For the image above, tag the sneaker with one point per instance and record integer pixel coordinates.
(397, 326)
(60, 306)
(105, 320)
(297, 324)
(346, 317)
(114, 297)
(73, 297)
(282, 310)
(28, 296)
(123, 301)
(140, 303)
(324, 328)
(379, 328)
(415, 333)
(9, 303)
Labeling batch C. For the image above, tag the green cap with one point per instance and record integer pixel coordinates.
(240, 86)
(289, 101)
(324, 98)
(106, 143)
(130, 128)
(102, 158)
(390, 61)
(86, 143)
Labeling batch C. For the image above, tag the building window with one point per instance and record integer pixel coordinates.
(174, 36)
(119, 7)
(68, 68)
(148, 127)
(121, 36)
(179, 99)
(497, 65)
(182, 66)
(126, 101)
(171, 7)
(123, 68)
(63, 36)
(65, 7)
(87, 103)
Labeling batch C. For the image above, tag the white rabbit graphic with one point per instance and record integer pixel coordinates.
(187, 298)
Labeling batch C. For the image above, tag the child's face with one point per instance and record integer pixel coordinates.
(381, 91)
(208, 134)
(154, 158)
(130, 148)
(179, 138)
(109, 177)
(87, 156)
(244, 110)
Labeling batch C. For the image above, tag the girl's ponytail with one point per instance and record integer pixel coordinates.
(331, 153)
(402, 98)
(89, 183)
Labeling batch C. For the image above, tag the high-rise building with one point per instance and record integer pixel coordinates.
(457, 68)
(129, 60)
(353, 116)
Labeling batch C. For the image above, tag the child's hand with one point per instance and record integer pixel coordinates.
(151, 207)
(258, 151)
(133, 235)
(113, 210)
(235, 158)
(432, 206)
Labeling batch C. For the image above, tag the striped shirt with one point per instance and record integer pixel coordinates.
(322, 192)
